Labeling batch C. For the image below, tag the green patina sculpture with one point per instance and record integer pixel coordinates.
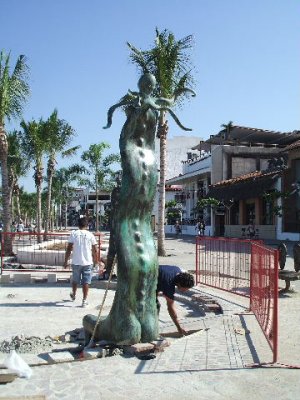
(133, 316)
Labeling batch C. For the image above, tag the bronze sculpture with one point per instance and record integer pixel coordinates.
(133, 316)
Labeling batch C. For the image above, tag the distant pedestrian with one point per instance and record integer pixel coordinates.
(13, 226)
(251, 230)
(20, 226)
(200, 227)
(177, 228)
(82, 245)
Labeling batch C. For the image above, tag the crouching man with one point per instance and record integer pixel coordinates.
(170, 277)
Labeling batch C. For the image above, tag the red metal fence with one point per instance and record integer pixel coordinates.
(224, 264)
(247, 268)
(31, 252)
(264, 292)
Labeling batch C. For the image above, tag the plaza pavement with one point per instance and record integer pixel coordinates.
(209, 364)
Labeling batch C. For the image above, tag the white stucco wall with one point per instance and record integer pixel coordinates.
(177, 149)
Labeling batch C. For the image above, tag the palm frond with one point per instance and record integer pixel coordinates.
(70, 152)
(14, 88)
(111, 159)
(140, 58)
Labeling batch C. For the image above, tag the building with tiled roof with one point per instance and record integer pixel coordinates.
(242, 135)
(245, 166)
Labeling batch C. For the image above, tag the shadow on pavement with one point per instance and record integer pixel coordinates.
(45, 304)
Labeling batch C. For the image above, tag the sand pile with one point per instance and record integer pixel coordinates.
(23, 344)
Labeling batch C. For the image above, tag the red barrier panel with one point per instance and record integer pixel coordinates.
(224, 264)
(246, 268)
(264, 292)
(31, 252)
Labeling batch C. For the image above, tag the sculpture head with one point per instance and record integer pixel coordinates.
(147, 83)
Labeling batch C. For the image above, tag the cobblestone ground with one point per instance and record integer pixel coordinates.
(211, 363)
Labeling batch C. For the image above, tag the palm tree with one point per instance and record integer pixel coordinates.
(14, 91)
(34, 139)
(63, 190)
(227, 128)
(99, 169)
(59, 134)
(26, 209)
(18, 166)
(57, 198)
(169, 61)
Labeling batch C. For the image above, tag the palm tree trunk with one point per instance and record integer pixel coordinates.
(52, 216)
(38, 179)
(5, 191)
(163, 129)
(66, 210)
(17, 192)
(12, 206)
(97, 214)
(50, 172)
(39, 211)
(11, 183)
(60, 216)
(65, 215)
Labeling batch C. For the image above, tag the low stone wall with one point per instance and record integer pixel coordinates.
(38, 254)
(187, 230)
(264, 231)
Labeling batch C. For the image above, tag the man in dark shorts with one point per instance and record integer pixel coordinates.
(170, 277)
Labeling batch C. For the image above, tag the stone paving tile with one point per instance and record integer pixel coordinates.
(215, 348)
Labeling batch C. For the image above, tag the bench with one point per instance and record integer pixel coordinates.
(288, 276)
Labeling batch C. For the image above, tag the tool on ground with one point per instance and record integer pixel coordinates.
(91, 342)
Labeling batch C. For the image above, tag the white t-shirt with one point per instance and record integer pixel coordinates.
(20, 227)
(83, 241)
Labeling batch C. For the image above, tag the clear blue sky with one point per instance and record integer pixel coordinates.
(246, 58)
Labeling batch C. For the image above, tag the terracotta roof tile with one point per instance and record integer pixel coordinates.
(292, 146)
(246, 177)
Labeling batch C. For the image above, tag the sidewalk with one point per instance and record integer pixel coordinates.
(210, 364)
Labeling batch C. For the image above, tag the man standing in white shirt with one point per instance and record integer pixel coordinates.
(82, 245)
(20, 226)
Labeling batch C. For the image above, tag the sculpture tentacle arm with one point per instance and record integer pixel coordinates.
(155, 107)
(111, 111)
(133, 93)
(164, 102)
(177, 120)
(179, 92)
